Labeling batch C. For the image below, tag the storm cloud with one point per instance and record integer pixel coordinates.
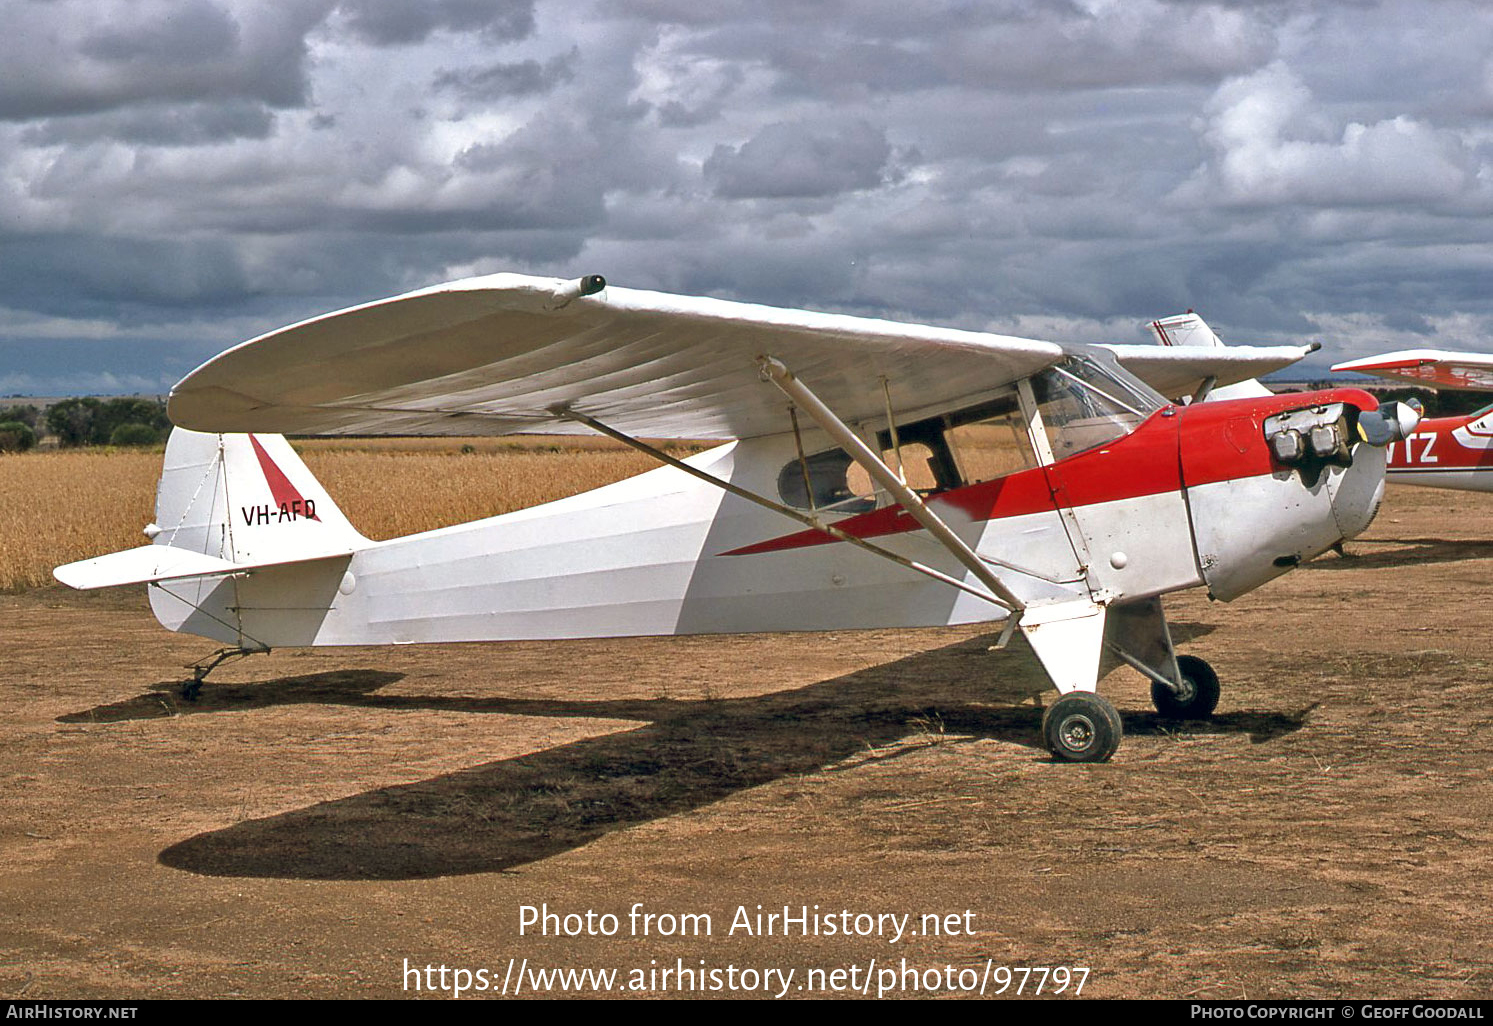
(800, 160)
(181, 174)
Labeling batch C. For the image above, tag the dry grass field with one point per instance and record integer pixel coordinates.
(63, 505)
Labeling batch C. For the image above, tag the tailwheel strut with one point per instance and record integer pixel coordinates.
(202, 667)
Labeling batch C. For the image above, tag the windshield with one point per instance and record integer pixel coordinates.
(1086, 404)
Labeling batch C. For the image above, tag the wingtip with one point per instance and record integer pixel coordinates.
(588, 285)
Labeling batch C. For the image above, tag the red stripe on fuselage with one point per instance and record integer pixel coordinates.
(1194, 445)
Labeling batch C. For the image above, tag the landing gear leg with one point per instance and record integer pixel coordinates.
(1068, 638)
(190, 690)
(1182, 687)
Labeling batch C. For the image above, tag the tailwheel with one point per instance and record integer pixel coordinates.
(1082, 727)
(191, 690)
(1195, 699)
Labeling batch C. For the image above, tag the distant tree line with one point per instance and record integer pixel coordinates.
(18, 428)
(85, 421)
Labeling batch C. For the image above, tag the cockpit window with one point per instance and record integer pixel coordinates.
(978, 443)
(1085, 404)
(924, 468)
(1107, 376)
(990, 440)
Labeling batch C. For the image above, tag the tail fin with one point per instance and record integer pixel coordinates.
(246, 499)
(1185, 330)
(226, 503)
(1191, 330)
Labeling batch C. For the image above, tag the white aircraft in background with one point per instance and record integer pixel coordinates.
(874, 474)
(1190, 330)
(1443, 452)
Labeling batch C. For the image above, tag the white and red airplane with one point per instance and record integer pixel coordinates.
(1443, 452)
(873, 474)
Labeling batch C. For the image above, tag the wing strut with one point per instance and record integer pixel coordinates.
(803, 518)
(887, 478)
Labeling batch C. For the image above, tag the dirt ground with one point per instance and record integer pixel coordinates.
(317, 819)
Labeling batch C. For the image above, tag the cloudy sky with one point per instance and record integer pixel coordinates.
(179, 175)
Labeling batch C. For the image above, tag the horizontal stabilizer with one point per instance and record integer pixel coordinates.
(278, 514)
(136, 566)
(150, 563)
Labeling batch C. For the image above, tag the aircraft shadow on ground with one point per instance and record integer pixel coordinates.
(1415, 551)
(684, 755)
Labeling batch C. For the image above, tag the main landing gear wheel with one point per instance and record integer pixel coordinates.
(1082, 727)
(1198, 696)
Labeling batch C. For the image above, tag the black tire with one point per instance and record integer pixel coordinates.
(1199, 695)
(1082, 727)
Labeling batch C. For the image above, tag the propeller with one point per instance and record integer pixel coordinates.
(1393, 421)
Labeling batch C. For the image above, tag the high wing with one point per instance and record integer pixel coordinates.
(500, 354)
(1435, 368)
(495, 355)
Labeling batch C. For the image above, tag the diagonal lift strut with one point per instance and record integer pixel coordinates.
(887, 478)
(999, 598)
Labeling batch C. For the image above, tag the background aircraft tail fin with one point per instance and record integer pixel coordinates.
(1185, 330)
(1191, 330)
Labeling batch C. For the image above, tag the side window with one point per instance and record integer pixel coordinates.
(829, 483)
(919, 465)
(978, 443)
(992, 446)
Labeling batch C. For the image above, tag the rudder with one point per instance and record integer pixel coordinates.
(246, 499)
